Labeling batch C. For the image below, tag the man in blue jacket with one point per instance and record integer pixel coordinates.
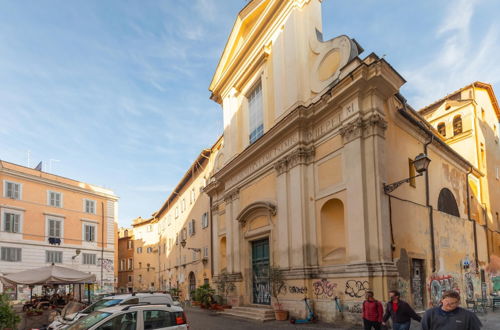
(448, 316)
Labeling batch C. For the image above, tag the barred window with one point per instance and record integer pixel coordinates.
(11, 254)
(53, 256)
(89, 259)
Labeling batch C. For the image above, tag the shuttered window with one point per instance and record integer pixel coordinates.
(89, 233)
(55, 228)
(12, 190)
(55, 199)
(11, 222)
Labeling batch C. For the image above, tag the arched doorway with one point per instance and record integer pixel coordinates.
(192, 284)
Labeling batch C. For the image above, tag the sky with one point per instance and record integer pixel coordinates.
(115, 93)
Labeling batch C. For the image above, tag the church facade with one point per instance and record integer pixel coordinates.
(314, 135)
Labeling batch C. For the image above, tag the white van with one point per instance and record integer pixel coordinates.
(122, 299)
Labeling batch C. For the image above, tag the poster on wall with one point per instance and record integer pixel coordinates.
(10, 291)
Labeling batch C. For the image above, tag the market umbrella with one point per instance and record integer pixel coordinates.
(48, 275)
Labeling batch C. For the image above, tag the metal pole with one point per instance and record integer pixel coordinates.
(88, 292)
(102, 245)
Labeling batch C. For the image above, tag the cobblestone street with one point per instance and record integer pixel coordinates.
(201, 319)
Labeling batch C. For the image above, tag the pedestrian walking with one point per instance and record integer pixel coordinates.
(400, 312)
(373, 311)
(449, 316)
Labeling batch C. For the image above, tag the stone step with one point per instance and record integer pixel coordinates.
(249, 312)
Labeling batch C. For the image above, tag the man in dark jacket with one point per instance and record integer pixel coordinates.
(372, 312)
(400, 312)
(448, 316)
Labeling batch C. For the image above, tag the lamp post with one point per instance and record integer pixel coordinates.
(421, 163)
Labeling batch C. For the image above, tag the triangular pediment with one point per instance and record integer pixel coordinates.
(250, 20)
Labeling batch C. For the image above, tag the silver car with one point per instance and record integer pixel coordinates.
(64, 320)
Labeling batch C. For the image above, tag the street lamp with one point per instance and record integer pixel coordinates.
(421, 163)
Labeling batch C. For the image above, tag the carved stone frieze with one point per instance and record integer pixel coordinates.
(299, 156)
(372, 124)
(232, 195)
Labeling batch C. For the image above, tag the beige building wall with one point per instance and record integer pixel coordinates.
(479, 144)
(311, 188)
(71, 206)
(146, 259)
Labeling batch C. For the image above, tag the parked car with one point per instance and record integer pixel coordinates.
(64, 320)
(133, 317)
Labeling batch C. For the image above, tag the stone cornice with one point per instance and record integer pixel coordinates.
(56, 184)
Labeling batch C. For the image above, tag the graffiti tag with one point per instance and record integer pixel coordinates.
(355, 288)
(469, 286)
(438, 285)
(324, 288)
(355, 308)
(297, 289)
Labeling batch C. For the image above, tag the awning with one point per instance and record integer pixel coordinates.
(48, 275)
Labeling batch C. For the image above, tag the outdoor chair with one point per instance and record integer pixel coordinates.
(495, 302)
(471, 305)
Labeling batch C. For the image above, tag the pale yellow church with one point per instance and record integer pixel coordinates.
(325, 172)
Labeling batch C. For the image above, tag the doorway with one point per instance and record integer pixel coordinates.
(417, 283)
(260, 272)
(192, 284)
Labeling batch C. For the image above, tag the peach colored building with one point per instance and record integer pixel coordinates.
(125, 261)
(46, 218)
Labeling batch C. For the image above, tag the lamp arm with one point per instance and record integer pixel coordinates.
(393, 186)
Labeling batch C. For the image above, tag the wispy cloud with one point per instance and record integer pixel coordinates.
(463, 55)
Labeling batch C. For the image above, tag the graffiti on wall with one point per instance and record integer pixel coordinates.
(356, 289)
(354, 308)
(440, 284)
(297, 289)
(469, 286)
(403, 288)
(324, 288)
(107, 264)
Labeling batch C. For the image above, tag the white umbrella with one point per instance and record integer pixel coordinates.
(48, 275)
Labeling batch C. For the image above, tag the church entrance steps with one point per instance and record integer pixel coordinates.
(252, 312)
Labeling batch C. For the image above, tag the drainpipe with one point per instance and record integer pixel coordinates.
(427, 197)
(476, 258)
(429, 207)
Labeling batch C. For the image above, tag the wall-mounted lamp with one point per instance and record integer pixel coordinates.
(421, 163)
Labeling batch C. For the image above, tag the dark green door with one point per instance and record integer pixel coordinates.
(260, 272)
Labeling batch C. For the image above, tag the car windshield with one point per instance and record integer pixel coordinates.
(103, 303)
(88, 321)
(71, 308)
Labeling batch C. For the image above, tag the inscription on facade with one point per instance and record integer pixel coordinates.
(264, 159)
(322, 128)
